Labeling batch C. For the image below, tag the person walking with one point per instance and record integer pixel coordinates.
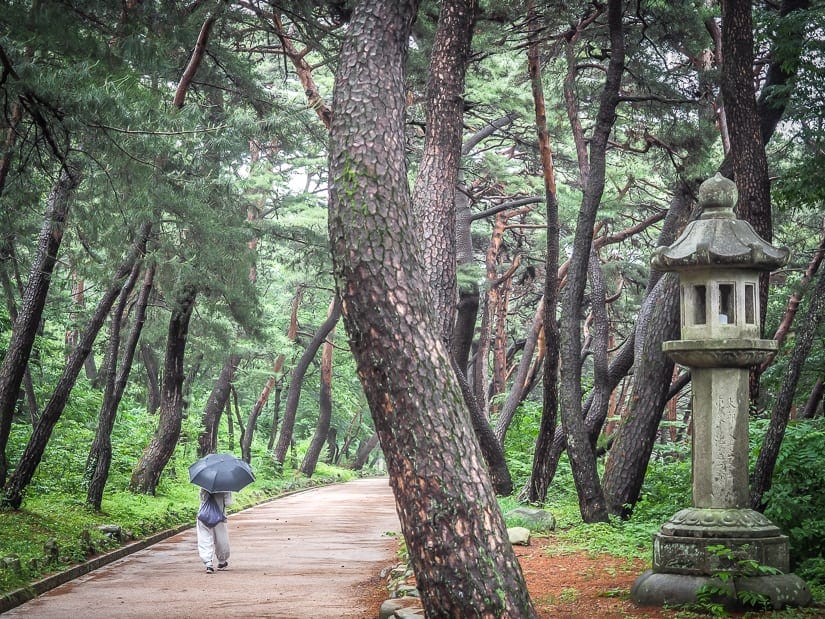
(213, 541)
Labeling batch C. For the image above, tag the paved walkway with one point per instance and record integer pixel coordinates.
(305, 555)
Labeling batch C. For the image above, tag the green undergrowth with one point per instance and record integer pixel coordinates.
(796, 505)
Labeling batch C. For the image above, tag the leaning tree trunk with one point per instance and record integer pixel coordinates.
(805, 334)
(457, 540)
(518, 390)
(34, 298)
(363, 452)
(293, 395)
(208, 438)
(146, 474)
(100, 454)
(7, 256)
(433, 197)
(324, 409)
(579, 448)
(150, 363)
(33, 453)
(629, 456)
(539, 482)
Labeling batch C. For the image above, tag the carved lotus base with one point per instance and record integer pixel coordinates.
(691, 542)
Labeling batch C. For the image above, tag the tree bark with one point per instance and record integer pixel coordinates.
(208, 438)
(747, 150)
(814, 401)
(769, 452)
(7, 256)
(433, 197)
(324, 405)
(579, 447)
(33, 453)
(146, 474)
(518, 388)
(540, 475)
(100, 454)
(34, 298)
(150, 363)
(363, 452)
(458, 546)
(293, 395)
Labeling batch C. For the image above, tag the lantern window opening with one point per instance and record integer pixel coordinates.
(698, 300)
(750, 304)
(727, 304)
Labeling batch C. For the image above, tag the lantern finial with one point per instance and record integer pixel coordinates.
(717, 197)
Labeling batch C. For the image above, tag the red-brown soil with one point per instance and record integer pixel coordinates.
(573, 585)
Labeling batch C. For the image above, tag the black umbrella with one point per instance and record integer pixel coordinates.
(221, 473)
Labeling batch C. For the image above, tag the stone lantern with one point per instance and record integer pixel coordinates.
(719, 259)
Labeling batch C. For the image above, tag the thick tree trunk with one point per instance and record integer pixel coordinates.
(435, 187)
(100, 454)
(630, 453)
(747, 150)
(276, 413)
(150, 363)
(805, 334)
(208, 438)
(33, 453)
(324, 408)
(457, 540)
(579, 446)
(146, 474)
(813, 403)
(293, 395)
(34, 298)
(7, 256)
(363, 452)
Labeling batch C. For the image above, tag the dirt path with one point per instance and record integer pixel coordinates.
(305, 555)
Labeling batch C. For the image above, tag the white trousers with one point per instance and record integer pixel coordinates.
(214, 541)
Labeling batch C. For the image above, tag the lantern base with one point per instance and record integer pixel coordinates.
(777, 591)
(724, 556)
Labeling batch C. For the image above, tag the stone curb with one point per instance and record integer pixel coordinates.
(24, 594)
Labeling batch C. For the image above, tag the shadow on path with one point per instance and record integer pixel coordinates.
(304, 555)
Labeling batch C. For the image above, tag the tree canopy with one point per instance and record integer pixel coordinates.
(189, 191)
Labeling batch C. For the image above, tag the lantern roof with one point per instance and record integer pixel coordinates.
(717, 238)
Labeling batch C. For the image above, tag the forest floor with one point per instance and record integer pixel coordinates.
(572, 584)
(578, 584)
